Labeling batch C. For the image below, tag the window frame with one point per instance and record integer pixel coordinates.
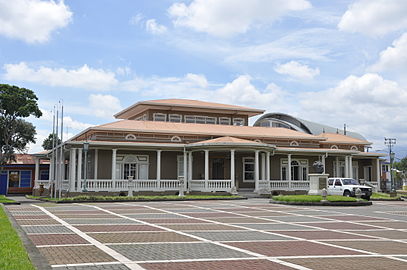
(159, 115)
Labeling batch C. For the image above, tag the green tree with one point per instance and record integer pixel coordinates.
(15, 133)
(47, 143)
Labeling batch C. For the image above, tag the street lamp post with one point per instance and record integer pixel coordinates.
(390, 142)
(85, 174)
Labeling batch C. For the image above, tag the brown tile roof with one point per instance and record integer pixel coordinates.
(25, 159)
(197, 103)
(185, 104)
(332, 138)
(205, 129)
(227, 139)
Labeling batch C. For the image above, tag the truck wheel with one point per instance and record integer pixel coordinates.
(347, 193)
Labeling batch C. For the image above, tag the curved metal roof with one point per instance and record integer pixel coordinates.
(305, 125)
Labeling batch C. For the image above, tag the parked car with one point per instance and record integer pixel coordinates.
(347, 187)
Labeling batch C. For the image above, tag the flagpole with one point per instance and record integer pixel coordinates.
(52, 167)
(56, 157)
(62, 151)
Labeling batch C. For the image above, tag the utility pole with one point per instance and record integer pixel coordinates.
(390, 142)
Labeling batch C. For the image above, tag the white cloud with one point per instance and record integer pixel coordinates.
(135, 20)
(368, 104)
(394, 58)
(32, 20)
(83, 77)
(104, 105)
(297, 70)
(155, 28)
(375, 18)
(225, 18)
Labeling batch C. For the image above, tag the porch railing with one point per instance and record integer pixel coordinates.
(211, 185)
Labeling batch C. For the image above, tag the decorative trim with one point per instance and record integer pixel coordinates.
(131, 137)
(175, 139)
(334, 147)
(354, 147)
(294, 143)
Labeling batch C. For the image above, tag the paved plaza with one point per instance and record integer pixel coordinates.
(244, 234)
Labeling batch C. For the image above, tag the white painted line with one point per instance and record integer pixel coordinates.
(114, 254)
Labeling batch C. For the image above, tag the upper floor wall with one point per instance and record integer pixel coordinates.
(188, 111)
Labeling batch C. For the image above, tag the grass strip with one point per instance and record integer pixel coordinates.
(312, 198)
(13, 255)
(3, 199)
(136, 198)
(384, 196)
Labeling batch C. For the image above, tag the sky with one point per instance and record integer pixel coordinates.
(332, 62)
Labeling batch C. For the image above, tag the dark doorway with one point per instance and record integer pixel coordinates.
(218, 168)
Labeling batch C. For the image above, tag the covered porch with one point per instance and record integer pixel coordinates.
(224, 164)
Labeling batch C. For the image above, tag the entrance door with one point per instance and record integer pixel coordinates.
(3, 183)
(218, 165)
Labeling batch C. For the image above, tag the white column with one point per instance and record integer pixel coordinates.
(256, 170)
(378, 170)
(72, 171)
(37, 172)
(185, 168)
(346, 166)
(350, 167)
(206, 169)
(263, 166)
(114, 151)
(323, 163)
(289, 171)
(337, 167)
(232, 167)
(158, 165)
(190, 166)
(79, 174)
(51, 170)
(95, 173)
(268, 166)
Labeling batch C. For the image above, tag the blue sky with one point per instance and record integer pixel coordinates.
(332, 62)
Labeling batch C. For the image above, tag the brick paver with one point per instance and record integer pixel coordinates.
(320, 235)
(291, 248)
(141, 237)
(215, 234)
(176, 251)
(57, 239)
(218, 265)
(371, 263)
(383, 247)
(116, 228)
(74, 255)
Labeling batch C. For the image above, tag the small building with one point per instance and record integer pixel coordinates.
(18, 177)
(208, 147)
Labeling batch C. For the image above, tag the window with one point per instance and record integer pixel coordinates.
(199, 119)
(175, 139)
(19, 178)
(133, 166)
(142, 118)
(238, 121)
(330, 182)
(367, 173)
(338, 182)
(224, 120)
(354, 148)
(248, 169)
(44, 174)
(299, 169)
(176, 118)
(210, 120)
(130, 137)
(159, 117)
(341, 167)
(180, 166)
(294, 143)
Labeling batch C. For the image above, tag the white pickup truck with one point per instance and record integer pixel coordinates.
(347, 187)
